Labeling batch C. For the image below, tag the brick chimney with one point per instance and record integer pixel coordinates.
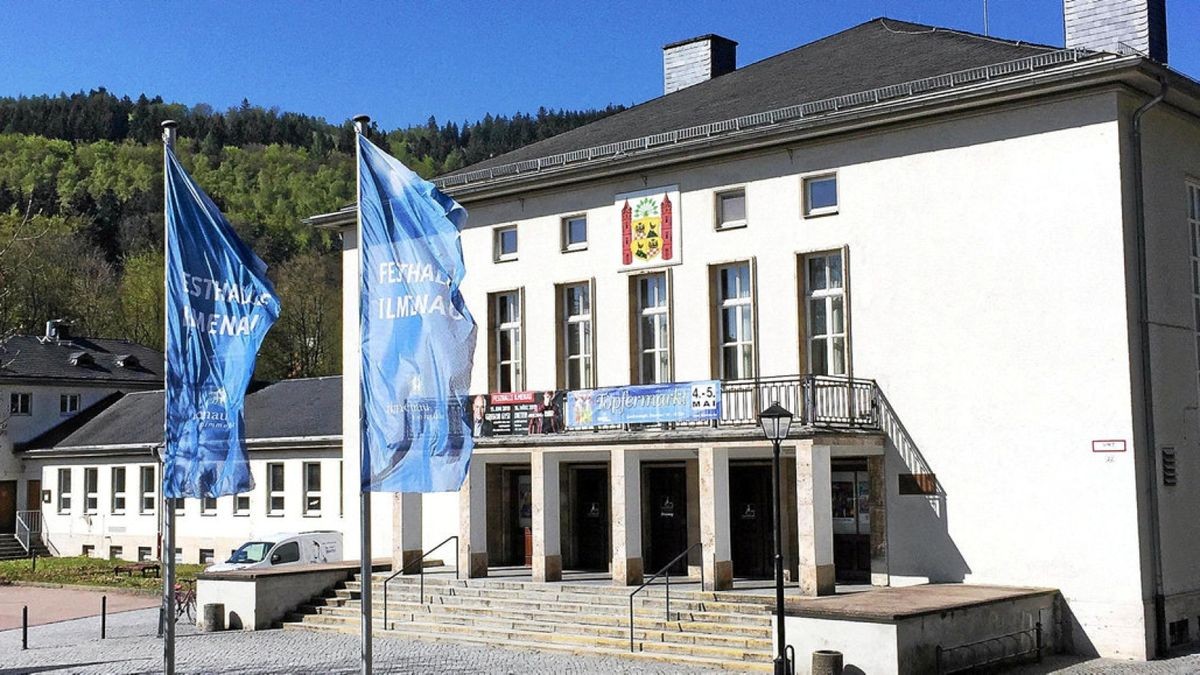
(697, 60)
(1118, 26)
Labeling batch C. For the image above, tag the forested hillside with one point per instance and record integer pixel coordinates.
(81, 207)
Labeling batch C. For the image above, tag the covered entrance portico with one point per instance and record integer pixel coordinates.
(629, 506)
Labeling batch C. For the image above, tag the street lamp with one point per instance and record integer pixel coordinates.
(775, 422)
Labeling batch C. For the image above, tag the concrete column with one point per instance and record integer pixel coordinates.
(406, 531)
(787, 488)
(472, 522)
(714, 518)
(692, 478)
(877, 474)
(547, 538)
(626, 485)
(814, 519)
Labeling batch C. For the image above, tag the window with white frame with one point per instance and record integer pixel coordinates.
(577, 335)
(735, 321)
(574, 233)
(507, 312)
(147, 494)
(820, 195)
(64, 490)
(145, 554)
(1193, 215)
(20, 403)
(180, 506)
(312, 488)
(91, 490)
(208, 506)
(115, 552)
(118, 489)
(275, 494)
(505, 244)
(826, 309)
(206, 556)
(241, 504)
(653, 328)
(68, 404)
(731, 209)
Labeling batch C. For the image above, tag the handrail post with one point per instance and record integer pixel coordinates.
(668, 594)
(1038, 637)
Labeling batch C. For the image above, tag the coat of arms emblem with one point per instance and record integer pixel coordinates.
(646, 230)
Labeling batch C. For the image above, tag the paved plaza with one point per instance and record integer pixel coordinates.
(74, 646)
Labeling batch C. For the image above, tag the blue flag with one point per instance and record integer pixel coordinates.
(418, 339)
(220, 305)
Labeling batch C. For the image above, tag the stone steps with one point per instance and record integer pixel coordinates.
(703, 632)
(11, 549)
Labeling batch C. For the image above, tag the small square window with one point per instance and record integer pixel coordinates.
(208, 506)
(89, 550)
(115, 552)
(145, 554)
(574, 233)
(820, 195)
(731, 209)
(241, 505)
(206, 556)
(506, 243)
(20, 403)
(68, 404)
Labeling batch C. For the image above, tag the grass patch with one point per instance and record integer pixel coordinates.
(85, 572)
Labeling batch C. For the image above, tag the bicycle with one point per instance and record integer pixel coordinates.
(185, 601)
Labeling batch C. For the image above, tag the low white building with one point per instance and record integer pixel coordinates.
(968, 265)
(50, 384)
(103, 479)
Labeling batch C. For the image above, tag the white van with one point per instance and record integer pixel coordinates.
(289, 548)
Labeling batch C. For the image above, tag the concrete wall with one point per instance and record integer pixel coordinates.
(258, 600)
(983, 300)
(1171, 159)
(222, 531)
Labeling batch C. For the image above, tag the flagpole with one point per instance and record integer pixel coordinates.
(168, 518)
(364, 521)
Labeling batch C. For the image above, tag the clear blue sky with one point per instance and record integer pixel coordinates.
(403, 61)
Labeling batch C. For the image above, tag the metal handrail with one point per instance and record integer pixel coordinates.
(665, 571)
(29, 523)
(418, 561)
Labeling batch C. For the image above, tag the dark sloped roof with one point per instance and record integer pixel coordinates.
(28, 356)
(874, 54)
(62, 430)
(288, 409)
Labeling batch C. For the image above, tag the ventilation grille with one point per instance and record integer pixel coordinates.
(1169, 475)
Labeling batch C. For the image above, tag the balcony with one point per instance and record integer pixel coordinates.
(819, 403)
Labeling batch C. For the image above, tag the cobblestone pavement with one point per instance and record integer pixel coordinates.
(131, 647)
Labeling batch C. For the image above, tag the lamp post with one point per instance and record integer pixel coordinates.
(775, 422)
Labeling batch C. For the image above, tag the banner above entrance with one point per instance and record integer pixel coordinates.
(675, 402)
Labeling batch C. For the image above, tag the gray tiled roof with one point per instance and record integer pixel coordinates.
(874, 54)
(31, 357)
(289, 409)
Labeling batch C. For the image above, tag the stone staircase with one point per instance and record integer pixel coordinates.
(705, 630)
(11, 549)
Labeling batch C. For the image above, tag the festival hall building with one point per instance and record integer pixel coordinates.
(968, 266)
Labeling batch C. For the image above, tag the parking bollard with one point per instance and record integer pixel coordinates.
(25, 627)
(103, 616)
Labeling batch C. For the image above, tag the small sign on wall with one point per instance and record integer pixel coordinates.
(45, 496)
(650, 227)
(1108, 446)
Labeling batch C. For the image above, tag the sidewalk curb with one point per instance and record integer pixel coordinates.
(85, 587)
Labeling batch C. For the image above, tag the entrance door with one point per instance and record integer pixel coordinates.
(666, 518)
(33, 495)
(590, 519)
(8, 506)
(750, 520)
(851, 526)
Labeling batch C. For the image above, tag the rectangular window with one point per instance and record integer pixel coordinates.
(735, 321)
(576, 332)
(208, 506)
(118, 489)
(64, 490)
(506, 309)
(275, 494)
(731, 209)
(826, 309)
(145, 554)
(206, 556)
(505, 243)
(180, 506)
(20, 403)
(820, 195)
(917, 484)
(88, 550)
(312, 489)
(115, 552)
(68, 404)
(653, 328)
(147, 493)
(241, 505)
(574, 233)
(91, 490)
